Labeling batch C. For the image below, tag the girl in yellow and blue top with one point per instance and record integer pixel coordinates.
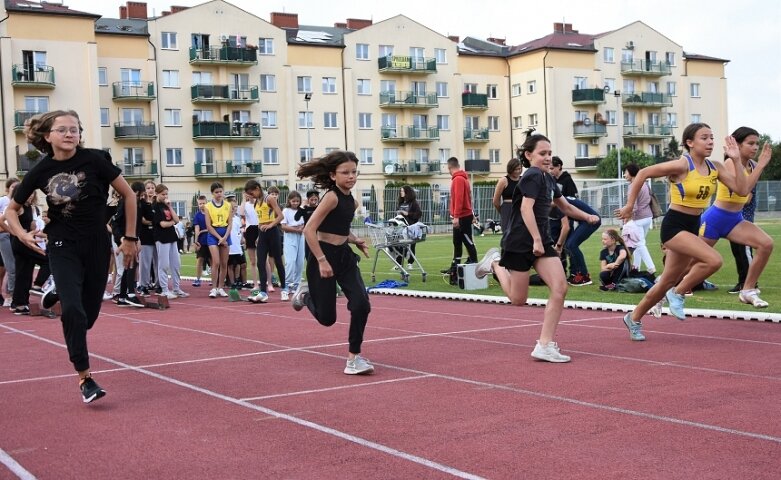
(692, 183)
(218, 224)
(724, 219)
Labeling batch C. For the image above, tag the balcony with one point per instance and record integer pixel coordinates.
(21, 117)
(126, 91)
(229, 168)
(588, 96)
(477, 166)
(33, 76)
(411, 167)
(645, 68)
(648, 131)
(646, 99)
(223, 94)
(235, 131)
(135, 131)
(474, 101)
(475, 135)
(139, 170)
(408, 100)
(236, 56)
(403, 64)
(409, 133)
(587, 163)
(26, 161)
(588, 129)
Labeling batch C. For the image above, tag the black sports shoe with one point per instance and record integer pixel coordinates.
(50, 297)
(21, 310)
(90, 391)
(736, 289)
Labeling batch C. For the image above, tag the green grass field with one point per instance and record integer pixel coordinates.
(435, 254)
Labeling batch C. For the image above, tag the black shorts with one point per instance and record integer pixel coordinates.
(524, 261)
(203, 251)
(236, 259)
(675, 222)
(251, 236)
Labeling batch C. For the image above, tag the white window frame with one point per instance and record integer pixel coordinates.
(304, 84)
(696, 118)
(173, 157)
(268, 119)
(517, 90)
(329, 85)
(171, 79)
(492, 91)
(265, 46)
(440, 54)
(581, 150)
(385, 51)
(330, 120)
(306, 154)
(494, 155)
(305, 119)
(672, 89)
(169, 41)
(671, 119)
(102, 76)
(531, 87)
(173, 117)
(669, 58)
(364, 121)
(363, 86)
(609, 55)
(362, 51)
(270, 156)
(610, 116)
(694, 90)
(268, 82)
(443, 122)
(518, 121)
(105, 120)
(444, 154)
(493, 123)
(366, 156)
(533, 119)
(442, 90)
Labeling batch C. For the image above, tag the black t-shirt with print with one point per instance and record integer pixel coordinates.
(163, 214)
(608, 257)
(146, 234)
(76, 192)
(541, 187)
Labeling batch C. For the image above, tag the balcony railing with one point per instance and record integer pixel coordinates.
(409, 133)
(648, 131)
(135, 131)
(477, 166)
(646, 99)
(24, 162)
(588, 96)
(35, 76)
(475, 135)
(229, 168)
(144, 91)
(209, 130)
(142, 169)
(408, 100)
(405, 64)
(411, 167)
(587, 129)
(474, 101)
(644, 67)
(21, 117)
(225, 54)
(587, 163)
(223, 94)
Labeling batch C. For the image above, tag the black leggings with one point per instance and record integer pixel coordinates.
(462, 235)
(26, 260)
(321, 300)
(270, 243)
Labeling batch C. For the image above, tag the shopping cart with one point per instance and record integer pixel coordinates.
(395, 239)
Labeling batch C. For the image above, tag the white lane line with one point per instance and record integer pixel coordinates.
(15, 467)
(340, 387)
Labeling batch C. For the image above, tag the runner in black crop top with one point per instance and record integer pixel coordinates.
(339, 219)
(507, 193)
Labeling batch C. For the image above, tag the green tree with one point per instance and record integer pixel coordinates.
(773, 170)
(373, 207)
(672, 150)
(608, 166)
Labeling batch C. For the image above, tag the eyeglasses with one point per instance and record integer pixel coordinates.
(349, 172)
(62, 131)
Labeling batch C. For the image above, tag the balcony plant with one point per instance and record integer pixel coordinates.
(32, 155)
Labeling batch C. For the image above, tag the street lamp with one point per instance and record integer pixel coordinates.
(617, 95)
(307, 97)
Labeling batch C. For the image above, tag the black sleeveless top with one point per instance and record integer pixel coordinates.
(507, 193)
(339, 219)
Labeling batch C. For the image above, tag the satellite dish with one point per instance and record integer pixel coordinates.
(586, 122)
(389, 168)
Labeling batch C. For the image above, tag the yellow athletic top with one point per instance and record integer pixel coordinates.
(219, 215)
(724, 194)
(695, 190)
(265, 212)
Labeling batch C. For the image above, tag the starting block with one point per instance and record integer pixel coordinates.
(36, 310)
(158, 302)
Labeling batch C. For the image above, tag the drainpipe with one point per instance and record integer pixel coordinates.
(545, 89)
(2, 109)
(157, 102)
(509, 89)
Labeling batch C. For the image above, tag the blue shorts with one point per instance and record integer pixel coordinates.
(213, 241)
(716, 222)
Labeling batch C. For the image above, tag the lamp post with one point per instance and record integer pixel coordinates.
(307, 97)
(617, 95)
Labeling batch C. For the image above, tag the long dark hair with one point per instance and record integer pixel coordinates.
(741, 134)
(529, 145)
(40, 125)
(613, 233)
(320, 170)
(690, 131)
(409, 195)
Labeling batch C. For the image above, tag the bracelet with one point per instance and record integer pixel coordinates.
(132, 239)
(320, 259)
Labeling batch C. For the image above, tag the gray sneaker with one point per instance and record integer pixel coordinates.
(656, 310)
(485, 266)
(675, 303)
(635, 328)
(358, 366)
(299, 296)
(549, 353)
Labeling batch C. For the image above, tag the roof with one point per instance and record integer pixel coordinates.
(124, 26)
(31, 6)
(558, 41)
(694, 56)
(475, 46)
(316, 35)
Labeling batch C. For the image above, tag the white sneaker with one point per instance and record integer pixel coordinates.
(549, 353)
(410, 266)
(261, 297)
(284, 296)
(485, 266)
(7, 302)
(752, 298)
(656, 310)
(213, 293)
(299, 295)
(358, 366)
(181, 294)
(221, 292)
(169, 295)
(107, 296)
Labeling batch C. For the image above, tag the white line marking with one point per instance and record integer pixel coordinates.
(14, 466)
(340, 387)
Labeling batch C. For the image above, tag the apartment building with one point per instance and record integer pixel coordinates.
(213, 92)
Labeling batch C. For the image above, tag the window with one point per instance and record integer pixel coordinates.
(653, 87)
(418, 88)
(531, 87)
(493, 123)
(580, 83)
(420, 155)
(170, 78)
(470, 88)
(472, 122)
(492, 91)
(671, 119)
(305, 119)
(608, 55)
(669, 58)
(202, 78)
(180, 207)
(131, 116)
(440, 54)
(441, 89)
(581, 150)
(364, 86)
(386, 50)
(473, 154)
(671, 89)
(173, 117)
(329, 84)
(580, 115)
(630, 118)
(366, 156)
(611, 117)
(611, 147)
(168, 41)
(364, 120)
(270, 156)
(36, 104)
(133, 156)
(443, 122)
(266, 46)
(417, 54)
(444, 154)
(389, 120)
(420, 121)
(516, 89)
(173, 157)
(494, 155)
(627, 55)
(361, 51)
(268, 83)
(241, 156)
(205, 158)
(629, 86)
(696, 118)
(104, 119)
(610, 83)
(304, 84)
(387, 86)
(240, 116)
(102, 76)
(306, 154)
(517, 122)
(268, 119)
(533, 119)
(650, 57)
(694, 88)
(654, 119)
(202, 115)
(390, 155)
(655, 150)
(329, 120)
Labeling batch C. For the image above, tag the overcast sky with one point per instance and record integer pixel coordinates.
(745, 32)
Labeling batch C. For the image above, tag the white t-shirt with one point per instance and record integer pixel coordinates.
(4, 202)
(250, 215)
(288, 218)
(235, 246)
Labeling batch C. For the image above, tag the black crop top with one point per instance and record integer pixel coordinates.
(339, 219)
(507, 193)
